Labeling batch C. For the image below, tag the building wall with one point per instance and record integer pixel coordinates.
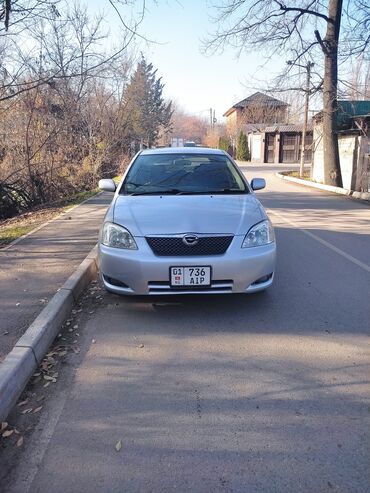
(231, 125)
(363, 166)
(260, 114)
(256, 147)
(240, 117)
(354, 159)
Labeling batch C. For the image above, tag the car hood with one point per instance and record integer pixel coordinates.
(177, 214)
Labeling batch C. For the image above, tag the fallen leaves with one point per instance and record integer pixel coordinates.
(27, 411)
(22, 403)
(20, 441)
(49, 378)
(118, 445)
(7, 433)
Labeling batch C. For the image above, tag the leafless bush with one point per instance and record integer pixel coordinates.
(59, 136)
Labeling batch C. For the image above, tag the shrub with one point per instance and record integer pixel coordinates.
(242, 152)
(224, 144)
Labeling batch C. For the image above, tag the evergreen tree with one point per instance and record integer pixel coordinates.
(242, 152)
(146, 112)
(224, 144)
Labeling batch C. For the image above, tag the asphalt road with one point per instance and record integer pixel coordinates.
(264, 393)
(32, 270)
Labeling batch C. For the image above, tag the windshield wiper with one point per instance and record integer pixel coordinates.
(220, 191)
(176, 191)
(172, 191)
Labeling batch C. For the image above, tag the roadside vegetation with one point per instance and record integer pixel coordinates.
(296, 174)
(71, 111)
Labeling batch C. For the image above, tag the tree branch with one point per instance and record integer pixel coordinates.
(321, 42)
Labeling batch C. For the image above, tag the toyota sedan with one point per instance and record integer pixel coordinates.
(185, 221)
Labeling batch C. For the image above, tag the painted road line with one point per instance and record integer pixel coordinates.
(323, 242)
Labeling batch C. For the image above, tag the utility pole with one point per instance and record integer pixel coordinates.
(306, 109)
(306, 106)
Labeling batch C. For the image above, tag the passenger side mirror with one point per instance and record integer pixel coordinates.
(107, 185)
(258, 183)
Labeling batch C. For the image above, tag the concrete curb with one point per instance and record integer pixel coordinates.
(20, 363)
(327, 188)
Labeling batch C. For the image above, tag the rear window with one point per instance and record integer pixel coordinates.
(183, 174)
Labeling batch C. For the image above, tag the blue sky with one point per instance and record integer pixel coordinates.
(195, 81)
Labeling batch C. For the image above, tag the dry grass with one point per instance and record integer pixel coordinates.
(295, 174)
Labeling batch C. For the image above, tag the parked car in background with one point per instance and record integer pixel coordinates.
(182, 221)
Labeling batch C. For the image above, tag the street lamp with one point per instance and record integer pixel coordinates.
(307, 100)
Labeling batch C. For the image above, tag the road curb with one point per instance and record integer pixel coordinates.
(19, 365)
(328, 188)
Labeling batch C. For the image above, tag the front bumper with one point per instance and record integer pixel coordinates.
(140, 272)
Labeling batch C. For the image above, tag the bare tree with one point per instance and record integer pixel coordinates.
(301, 30)
(187, 126)
(20, 18)
(20, 13)
(61, 136)
(356, 85)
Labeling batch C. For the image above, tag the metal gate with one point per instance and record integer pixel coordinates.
(288, 148)
(307, 148)
(270, 148)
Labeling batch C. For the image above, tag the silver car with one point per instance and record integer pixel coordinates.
(185, 221)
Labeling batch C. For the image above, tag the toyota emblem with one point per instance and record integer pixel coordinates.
(190, 240)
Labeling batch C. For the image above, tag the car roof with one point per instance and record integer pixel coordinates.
(183, 150)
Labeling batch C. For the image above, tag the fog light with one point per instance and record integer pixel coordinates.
(115, 282)
(263, 279)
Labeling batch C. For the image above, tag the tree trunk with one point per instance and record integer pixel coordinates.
(332, 171)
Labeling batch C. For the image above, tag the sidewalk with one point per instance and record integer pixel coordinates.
(32, 270)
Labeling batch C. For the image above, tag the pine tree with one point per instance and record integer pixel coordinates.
(224, 144)
(146, 112)
(242, 152)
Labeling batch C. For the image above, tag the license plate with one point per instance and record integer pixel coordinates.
(190, 276)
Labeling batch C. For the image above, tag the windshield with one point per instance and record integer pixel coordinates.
(183, 174)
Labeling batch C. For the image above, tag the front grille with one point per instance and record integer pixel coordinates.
(165, 246)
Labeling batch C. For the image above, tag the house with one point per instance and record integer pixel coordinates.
(258, 108)
(353, 124)
(271, 138)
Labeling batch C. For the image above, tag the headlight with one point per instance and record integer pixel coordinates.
(117, 237)
(260, 234)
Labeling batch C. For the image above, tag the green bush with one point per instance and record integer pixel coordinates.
(242, 151)
(224, 144)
